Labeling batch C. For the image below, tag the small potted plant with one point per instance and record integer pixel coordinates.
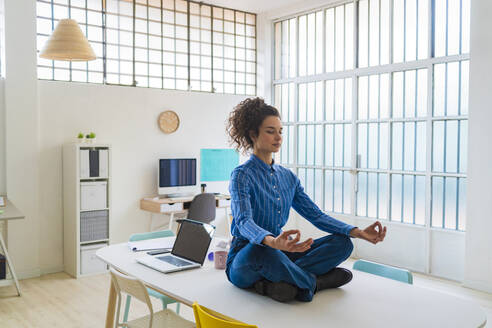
(91, 137)
(80, 137)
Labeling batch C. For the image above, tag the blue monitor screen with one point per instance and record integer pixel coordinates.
(177, 172)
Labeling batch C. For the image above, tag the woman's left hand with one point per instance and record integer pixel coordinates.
(371, 234)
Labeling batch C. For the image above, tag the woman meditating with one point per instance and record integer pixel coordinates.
(275, 262)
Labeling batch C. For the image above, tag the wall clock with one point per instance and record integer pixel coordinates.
(168, 121)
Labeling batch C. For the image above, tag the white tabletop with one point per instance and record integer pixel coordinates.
(367, 301)
(10, 212)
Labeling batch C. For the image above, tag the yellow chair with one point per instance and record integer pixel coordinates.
(206, 318)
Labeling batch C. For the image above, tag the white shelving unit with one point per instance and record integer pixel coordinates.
(85, 230)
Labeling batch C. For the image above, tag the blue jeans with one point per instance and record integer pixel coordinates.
(248, 263)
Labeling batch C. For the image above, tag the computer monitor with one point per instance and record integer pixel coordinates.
(177, 177)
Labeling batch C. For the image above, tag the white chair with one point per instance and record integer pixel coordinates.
(134, 287)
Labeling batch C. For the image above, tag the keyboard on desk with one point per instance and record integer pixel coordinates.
(174, 260)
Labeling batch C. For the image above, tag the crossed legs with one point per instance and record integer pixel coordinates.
(256, 262)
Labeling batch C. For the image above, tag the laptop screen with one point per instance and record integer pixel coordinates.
(193, 240)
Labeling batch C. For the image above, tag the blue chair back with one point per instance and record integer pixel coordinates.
(151, 235)
(384, 271)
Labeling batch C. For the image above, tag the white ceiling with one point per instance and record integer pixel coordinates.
(255, 6)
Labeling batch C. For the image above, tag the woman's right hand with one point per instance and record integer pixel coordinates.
(285, 243)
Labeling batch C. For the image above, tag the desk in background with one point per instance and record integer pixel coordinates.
(368, 301)
(10, 212)
(179, 205)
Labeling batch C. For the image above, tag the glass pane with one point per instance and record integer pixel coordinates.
(383, 146)
(420, 200)
(319, 42)
(398, 94)
(410, 93)
(385, 32)
(301, 145)
(463, 150)
(330, 100)
(397, 149)
(302, 45)
(363, 33)
(383, 197)
(339, 99)
(411, 30)
(408, 195)
(318, 187)
(438, 146)
(329, 145)
(451, 131)
(311, 101)
(374, 32)
(409, 146)
(437, 201)
(462, 205)
(396, 197)
(319, 101)
(421, 146)
(293, 47)
(349, 36)
(440, 28)
(372, 195)
(310, 145)
(453, 90)
(319, 145)
(347, 160)
(338, 192)
(347, 191)
(374, 96)
(439, 89)
(339, 38)
(363, 97)
(398, 30)
(329, 194)
(373, 145)
(330, 40)
(362, 194)
(450, 203)
(362, 146)
(311, 43)
(339, 144)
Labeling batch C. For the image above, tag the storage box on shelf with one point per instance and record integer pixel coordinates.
(86, 206)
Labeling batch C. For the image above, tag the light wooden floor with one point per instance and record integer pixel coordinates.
(57, 300)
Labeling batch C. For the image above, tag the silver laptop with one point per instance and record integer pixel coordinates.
(189, 250)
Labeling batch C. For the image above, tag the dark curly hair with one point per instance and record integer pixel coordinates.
(247, 116)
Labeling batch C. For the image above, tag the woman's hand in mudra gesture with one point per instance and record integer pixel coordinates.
(371, 234)
(286, 243)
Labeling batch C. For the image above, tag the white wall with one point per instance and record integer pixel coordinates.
(126, 118)
(21, 130)
(478, 271)
(3, 182)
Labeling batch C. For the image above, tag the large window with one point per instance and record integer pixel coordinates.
(170, 44)
(374, 99)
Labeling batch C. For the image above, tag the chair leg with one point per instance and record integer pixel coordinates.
(127, 308)
(164, 305)
(177, 307)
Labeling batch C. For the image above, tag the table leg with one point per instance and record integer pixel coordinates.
(171, 221)
(3, 244)
(111, 306)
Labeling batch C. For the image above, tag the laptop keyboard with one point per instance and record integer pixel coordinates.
(174, 261)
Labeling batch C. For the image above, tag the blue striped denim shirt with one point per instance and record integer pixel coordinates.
(261, 198)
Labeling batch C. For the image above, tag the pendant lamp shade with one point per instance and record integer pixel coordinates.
(68, 43)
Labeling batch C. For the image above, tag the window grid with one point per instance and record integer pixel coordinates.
(403, 186)
(147, 43)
